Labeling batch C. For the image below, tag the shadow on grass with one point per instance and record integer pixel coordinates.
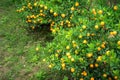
(41, 33)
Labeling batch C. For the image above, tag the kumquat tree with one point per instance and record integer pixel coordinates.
(60, 40)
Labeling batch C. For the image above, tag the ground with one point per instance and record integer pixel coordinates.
(14, 39)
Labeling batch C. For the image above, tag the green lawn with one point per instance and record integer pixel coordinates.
(16, 61)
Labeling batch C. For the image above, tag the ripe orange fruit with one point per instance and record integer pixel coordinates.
(69, 25)
(80, 36)
(17, 10)
(91, 66)
(55, 14)
(77, 4)
(89, 55)
(72, 59)
(29, 21)
(92, 78)
(99, 49)
(118, 43)
(72, 70)
(88, 34)
(22, 9)
(67, 54)
(45, 7)
(63, 64)
(35, 4)
(63, 15)
(30, 7)
(37, 49)
(84, 27)
(81, 79)
(99, 58)
(111, 33)
(67, 47)
(104, 75)
(72, 8)
(44, 60)
(102, 46)
(96, 65)
(67, 21)
(69, 57)
(109, 78)
(33, 27)
(56, 55)
(73, 42)
(96, 26)
(92, 34)
(61, 23)
(51, 11)
(115, 8)
(41, 6)
(107, 53)
(93, 10)
(102, 23)
(85, 41)
(74, 45)
(50, 66)
(76, 52)
(94, 13)
(114, 32)
(34, 22)
(62, 59)
(115, 77)
(41, 11)
(84, 73)
(100, 12)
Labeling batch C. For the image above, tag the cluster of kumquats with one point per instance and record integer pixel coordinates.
(41, 12)
(90, 48)
(86, 55)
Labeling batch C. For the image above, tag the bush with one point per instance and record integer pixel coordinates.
(89, 51)
(85, 54)
(56, 14)
(89, 45)
(52, 12)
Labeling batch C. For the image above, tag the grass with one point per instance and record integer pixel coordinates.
(17, 46)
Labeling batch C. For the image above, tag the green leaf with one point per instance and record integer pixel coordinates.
(65, 78)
